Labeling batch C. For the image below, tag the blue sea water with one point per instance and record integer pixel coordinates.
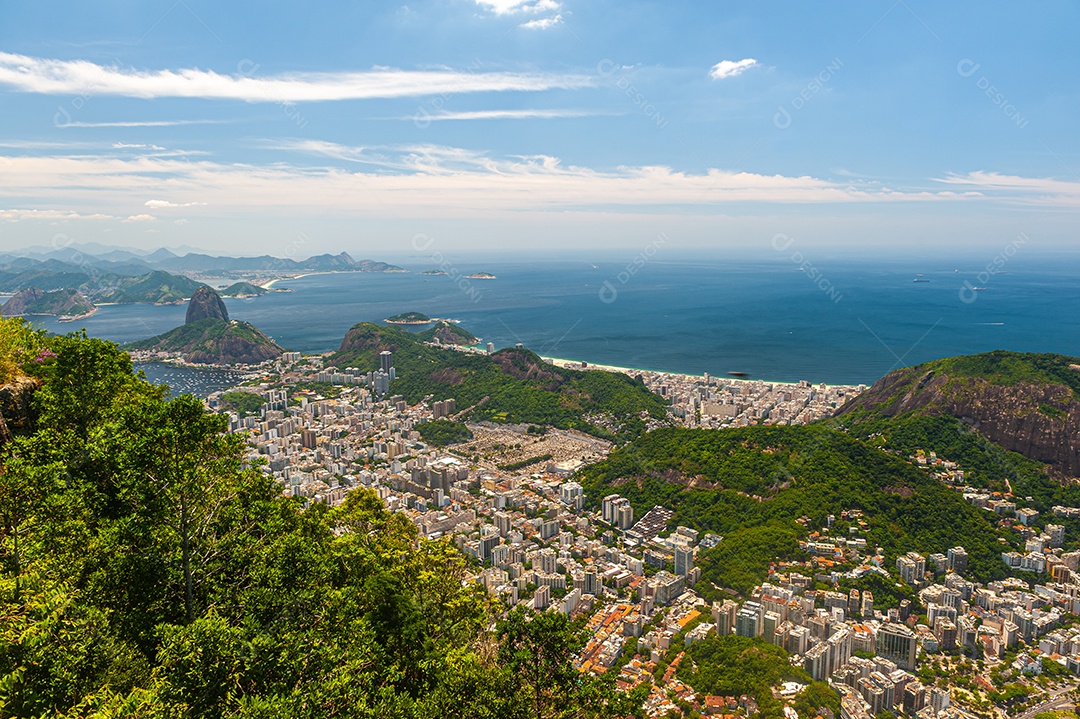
(841, 321)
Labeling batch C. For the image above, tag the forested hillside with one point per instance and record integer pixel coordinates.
(750, 485)
(512, 385)
(147, 572)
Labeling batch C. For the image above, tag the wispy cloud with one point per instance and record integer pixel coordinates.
(510, 7)
(158, 204)
(22, 214)
(509, 115)
(542, 23)
(730, 68)
(139, 218)
(143, 123)
(1030, 190)
(64, 77)
(438, 181)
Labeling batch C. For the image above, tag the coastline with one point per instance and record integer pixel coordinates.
(576, 364)
(270, 284)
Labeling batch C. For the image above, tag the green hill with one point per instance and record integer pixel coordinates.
(1026, 403)
(158, 287)
(214, 341)
(513, 385)
(751, 484)
(243, 289)
(448, 333)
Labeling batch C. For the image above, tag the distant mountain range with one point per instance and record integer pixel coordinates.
(109, 275)
(86, 261)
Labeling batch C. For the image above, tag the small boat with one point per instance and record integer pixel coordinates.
(738, 374)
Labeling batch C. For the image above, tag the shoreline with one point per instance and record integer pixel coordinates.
(576, 364)
(285, 278)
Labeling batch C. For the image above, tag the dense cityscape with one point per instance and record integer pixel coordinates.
(507, 498)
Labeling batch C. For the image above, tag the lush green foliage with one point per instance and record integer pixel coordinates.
(243, 403)
(242, 289)
(19, 343)
(985, 464)
(147, 572)
(448, 333)
(733, 666)
(404, 317)
(729, 481)
(1009, 368)
(443, 432)
(158, 287)
(512, 385)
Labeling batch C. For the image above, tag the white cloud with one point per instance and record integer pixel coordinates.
(21, 214)
(139, 218)
(157, 204)
(730, 68)
(440, 181)
(505, 115)
(180, 222)
(78, 77)
(542, 23)
(142, 123)
(510, 7)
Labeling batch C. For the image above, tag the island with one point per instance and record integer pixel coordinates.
(409, 318)
(433, 272)
(480, 276)
(66, 304)
(243, 289)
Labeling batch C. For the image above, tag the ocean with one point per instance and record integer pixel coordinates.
(779, 318)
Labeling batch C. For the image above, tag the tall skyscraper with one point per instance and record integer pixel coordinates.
(684, 560)
(386, 361)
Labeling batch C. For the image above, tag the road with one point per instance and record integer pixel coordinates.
(1059, 699)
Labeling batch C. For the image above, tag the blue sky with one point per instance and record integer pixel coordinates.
(498, 125)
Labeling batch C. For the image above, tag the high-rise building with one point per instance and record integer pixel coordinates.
(542, 598)
(723, 615)
(308, 438)
(489, 539)
(548, 561)
(612, 511)
(897, 643)
(572, 495)
(502, 523)
(912, 567)
(592, 583)
(684, 560)
(958, 560)
(386, 361)
(867, 609)
(747, 621)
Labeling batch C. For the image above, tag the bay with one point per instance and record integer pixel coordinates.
(837, 321)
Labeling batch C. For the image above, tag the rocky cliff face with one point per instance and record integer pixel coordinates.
(205, 303)
(17, 416)
(1039, 420)
(21, 302)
